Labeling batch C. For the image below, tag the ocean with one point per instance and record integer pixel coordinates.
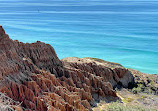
(122, 31)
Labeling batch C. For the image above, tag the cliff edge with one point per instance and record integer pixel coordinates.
(33, 76)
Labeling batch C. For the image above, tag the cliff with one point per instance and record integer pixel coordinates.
(34, 77)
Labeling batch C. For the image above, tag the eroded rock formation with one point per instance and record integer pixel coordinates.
(32, 74)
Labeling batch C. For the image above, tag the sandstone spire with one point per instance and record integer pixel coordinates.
(2, 32)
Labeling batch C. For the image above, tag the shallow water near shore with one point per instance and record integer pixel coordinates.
(122, 31)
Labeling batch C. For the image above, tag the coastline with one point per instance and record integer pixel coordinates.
(33, 78)
(121, 31)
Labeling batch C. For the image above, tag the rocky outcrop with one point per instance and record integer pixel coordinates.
(32, 74)
(98, 71)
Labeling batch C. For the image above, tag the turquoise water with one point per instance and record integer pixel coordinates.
(122, 31)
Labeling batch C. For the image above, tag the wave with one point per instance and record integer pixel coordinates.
(97, 12)
(77, 12)
(69, 3)
(29, 26)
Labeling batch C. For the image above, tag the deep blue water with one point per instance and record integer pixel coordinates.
(122, 31)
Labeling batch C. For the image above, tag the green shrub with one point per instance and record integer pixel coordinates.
(127, 100)
(138, 89)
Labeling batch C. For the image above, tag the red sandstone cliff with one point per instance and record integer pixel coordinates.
(32, 75)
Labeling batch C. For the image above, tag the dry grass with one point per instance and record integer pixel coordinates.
(130, 102)
(141, 100)
(5, 103)
(116, 106)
